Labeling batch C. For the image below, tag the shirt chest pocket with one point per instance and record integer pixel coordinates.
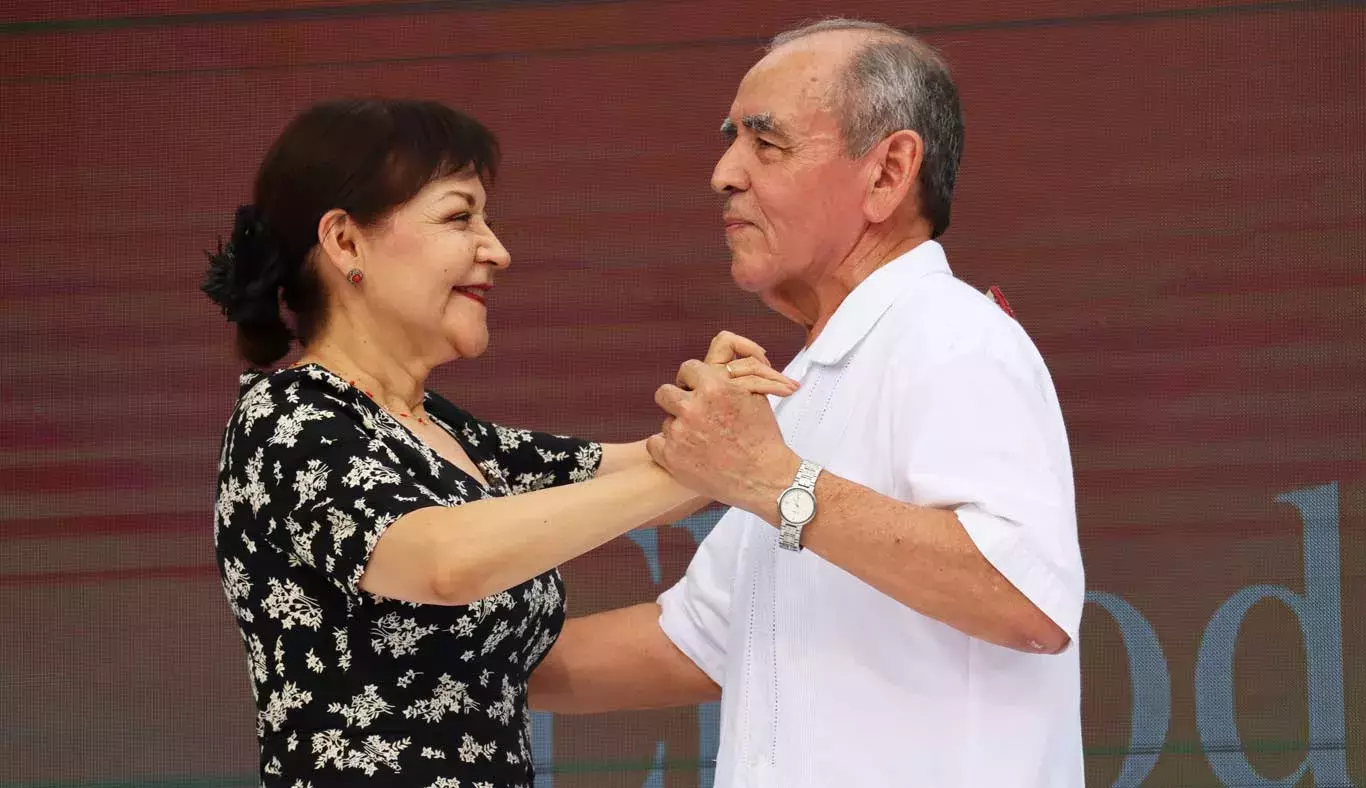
(843, 424)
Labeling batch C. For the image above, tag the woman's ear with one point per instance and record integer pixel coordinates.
(338, 239)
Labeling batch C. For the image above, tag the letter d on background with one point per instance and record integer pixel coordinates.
(1319, 612)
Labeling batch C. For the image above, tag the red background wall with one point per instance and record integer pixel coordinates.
(1170, 193)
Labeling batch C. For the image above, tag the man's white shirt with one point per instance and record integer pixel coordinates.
(921, 389)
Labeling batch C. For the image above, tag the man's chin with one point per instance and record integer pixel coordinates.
(749, 275)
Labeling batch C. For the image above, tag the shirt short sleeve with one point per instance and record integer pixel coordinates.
(696, 612)
(299, 461)
(981, 433)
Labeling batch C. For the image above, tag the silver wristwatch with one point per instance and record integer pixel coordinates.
(797, 506)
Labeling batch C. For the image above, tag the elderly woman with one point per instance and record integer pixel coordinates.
(391, 559)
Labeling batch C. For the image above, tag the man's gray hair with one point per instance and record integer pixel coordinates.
(893, 82)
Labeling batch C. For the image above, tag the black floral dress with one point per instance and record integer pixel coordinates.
(352, 688)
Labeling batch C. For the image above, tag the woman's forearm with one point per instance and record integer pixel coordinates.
(621, 456)
(455, 555)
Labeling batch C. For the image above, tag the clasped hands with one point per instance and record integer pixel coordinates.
(720, 436)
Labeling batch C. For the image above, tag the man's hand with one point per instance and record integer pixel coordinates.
(741, 360)
(722, 441)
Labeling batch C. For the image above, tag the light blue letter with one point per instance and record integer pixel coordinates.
(1151, 689)
(1319, 612)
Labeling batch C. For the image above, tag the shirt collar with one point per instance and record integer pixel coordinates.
(863, 307)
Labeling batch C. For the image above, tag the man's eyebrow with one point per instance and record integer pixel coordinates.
(760, 123)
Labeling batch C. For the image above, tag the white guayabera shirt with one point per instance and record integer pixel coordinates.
(923, 390)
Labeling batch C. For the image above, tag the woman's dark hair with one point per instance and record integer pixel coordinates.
(364, 156)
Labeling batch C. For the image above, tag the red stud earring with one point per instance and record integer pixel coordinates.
(354, 276)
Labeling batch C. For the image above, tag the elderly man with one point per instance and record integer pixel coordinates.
(893, 598)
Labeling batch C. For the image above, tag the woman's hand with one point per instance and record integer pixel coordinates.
(747, 366)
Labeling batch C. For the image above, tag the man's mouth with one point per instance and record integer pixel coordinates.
(735, 222)
(475, 292)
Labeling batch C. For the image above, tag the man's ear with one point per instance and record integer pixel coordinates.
(896, 163)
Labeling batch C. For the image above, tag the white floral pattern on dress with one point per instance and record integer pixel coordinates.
(363, 709)
(282, 700)
(288, 603)
(349, 685)
(471, 750)
(399, 635)
(509, 438)
(237, 587)
(450, 696)
(506, 707)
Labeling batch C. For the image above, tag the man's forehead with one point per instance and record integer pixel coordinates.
(794, 68)
(791, 86)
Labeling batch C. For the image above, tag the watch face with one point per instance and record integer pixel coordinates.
(797, 506)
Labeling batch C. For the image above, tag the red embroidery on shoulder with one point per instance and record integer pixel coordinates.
(1000, 298)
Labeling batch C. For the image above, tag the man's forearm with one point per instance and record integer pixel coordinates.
(924, 559)
(616, 661)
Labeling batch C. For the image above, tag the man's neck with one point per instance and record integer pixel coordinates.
(811, 304)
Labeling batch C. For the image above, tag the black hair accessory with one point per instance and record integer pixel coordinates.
(245, 275)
